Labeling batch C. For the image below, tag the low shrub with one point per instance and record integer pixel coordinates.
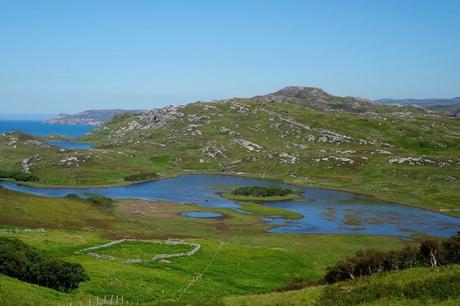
(141, 176)
(73, 196)
(297, 284)
(100, 201)
(368, 291)
(23, 262)
(260, 191)
(19, 176)
(432, 252)
(162, 159)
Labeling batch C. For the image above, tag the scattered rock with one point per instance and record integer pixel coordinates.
(239, 107)
(213, 150)
(71, 161)
(287, 159)
(249, 146)
(341, 160)
(26, 163)
(413, 161)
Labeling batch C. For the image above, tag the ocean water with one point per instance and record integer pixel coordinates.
(36, 127)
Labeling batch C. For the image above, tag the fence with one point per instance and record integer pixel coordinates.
(97, 301)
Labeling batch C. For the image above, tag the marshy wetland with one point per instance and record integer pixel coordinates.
(322, 210)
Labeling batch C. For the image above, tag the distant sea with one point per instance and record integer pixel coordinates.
(36, 127)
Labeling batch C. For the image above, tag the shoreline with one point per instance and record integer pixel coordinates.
(313, 185)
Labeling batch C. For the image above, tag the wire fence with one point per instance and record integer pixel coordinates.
(200, 275)
(99, 301)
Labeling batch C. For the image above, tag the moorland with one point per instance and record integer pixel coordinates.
(299, 136)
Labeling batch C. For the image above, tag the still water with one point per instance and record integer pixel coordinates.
(71, 145)
(324, 211)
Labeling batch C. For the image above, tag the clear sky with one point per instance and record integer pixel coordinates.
(66, 55)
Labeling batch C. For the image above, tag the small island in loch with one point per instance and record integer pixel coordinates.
(229, 153)
(262, 194)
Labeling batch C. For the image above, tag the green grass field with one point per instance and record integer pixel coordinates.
(419, 286)
(266, 211)
(246, 259)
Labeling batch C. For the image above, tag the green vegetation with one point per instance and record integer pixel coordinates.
(292, 196)
(432, 252)
(261, 194)
(414, 288)
(100, 201)
(19, 176)
(97, 200)
(20, 209)
(396, 154)
(266, 211)
(171, 148)
(261, 191)
(20, 261)
(364, 279)
(246, 259)
(141, 177)
(418, 286)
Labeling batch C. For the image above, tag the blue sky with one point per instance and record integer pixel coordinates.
(75, 55)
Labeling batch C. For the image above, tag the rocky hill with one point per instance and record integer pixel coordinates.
(317, 98)
(299, 135)
(295, 128)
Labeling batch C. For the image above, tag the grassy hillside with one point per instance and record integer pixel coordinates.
(237, 257)
(301, 136)
(419, 286)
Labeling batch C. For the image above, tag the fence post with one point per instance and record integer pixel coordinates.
(116, 300)
(111, 299)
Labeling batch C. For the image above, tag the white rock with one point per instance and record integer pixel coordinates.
(249, 146)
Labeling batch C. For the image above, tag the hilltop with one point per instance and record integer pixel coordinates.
(317, 98)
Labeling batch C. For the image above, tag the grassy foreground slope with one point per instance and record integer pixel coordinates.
(298, 135)
(418, 286)
(244, 259)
